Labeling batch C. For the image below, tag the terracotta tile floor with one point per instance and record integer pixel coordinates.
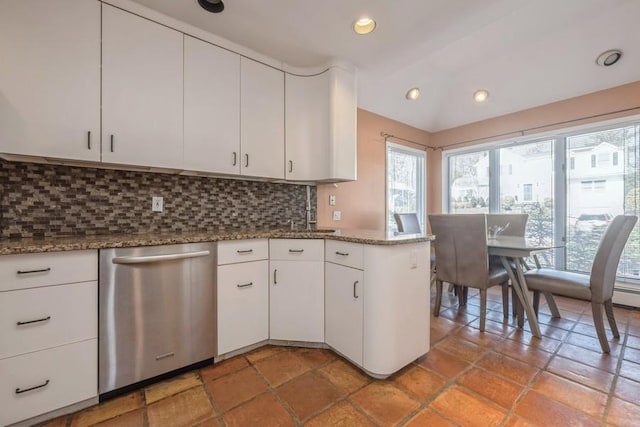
(501, 377)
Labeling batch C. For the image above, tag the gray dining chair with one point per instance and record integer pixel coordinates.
(596, 287)
(408, 223)
(512, 225)
(462, 258)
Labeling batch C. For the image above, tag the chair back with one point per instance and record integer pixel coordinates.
(461, 249)
(517, 223)
(407, 223)
(605, 264)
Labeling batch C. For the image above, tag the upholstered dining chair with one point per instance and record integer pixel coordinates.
(408, 224)
(512, 225)
(596, 287)
(462, 257)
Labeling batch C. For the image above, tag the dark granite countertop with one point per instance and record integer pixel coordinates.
(51, 244)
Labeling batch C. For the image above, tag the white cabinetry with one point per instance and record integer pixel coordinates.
(211, 108)
(261, 120)
(344, 311)
(49, 325)
(377, 304)
(142, 91)
(243, 294)
(50, 78)
(321, 126)
(296, 300)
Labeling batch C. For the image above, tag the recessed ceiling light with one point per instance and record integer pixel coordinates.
(608, 58)
(364, 25)
(413, 94)
(481, 95)
(214, 6)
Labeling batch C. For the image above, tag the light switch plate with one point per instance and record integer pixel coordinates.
(337, 215)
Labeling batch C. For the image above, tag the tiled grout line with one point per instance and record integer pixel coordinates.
(212, 402)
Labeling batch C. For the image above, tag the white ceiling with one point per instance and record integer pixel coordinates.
(525, 52)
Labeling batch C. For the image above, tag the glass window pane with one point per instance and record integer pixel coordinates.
(530, 190)
(598, 192)
(469, 183)
(405, 183)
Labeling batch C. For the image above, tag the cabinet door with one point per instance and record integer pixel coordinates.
(243, 305)
(50, 78)
(211, 108)
(142, 93)
(307, 127)
(296, 309)
(344, 310)
(261, 120)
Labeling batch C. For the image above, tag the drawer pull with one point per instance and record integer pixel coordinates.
(296, 251)
(164, 356)
(275, 276)
(342, 253)
(245, 251)
(19, 391)
(354, 289)
(44, 319)
(246, 285)
(40, 270)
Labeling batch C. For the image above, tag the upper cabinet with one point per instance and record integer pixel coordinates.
(211, 108)
(261, 120)
(142, 91)
(321, 126)
(50, 78)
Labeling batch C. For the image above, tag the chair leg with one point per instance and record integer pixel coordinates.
(438, 301)
(433, 278)
(460, 292)
(598, 322)
(517, 307)
(483, 308)
(552, 304)
(608, 308)
(536, 302)
(505, 300)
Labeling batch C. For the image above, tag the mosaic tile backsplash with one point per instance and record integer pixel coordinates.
(40, 200)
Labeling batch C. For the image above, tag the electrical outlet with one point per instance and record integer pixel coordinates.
(157, 204)
(332, 200)
(337, 215)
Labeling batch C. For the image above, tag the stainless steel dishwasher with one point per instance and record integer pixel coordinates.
(157, 311)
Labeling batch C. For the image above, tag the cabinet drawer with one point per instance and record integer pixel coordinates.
(35, 319)
(296, 249)
(243, 305)
(234, 251)
(69, 372)
(345, 253)
(52, 268)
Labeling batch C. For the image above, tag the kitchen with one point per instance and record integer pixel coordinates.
(101, 185)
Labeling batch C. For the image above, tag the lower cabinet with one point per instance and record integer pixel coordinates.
(42, 381)
(344, 310)
(243, 301)
(296, 290)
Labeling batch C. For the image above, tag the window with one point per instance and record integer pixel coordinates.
(572, 207)
(405, 183)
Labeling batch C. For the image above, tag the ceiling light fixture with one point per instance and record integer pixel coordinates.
(608, 58)
(364, 25)
(213, 6)
(413, 94)
(480, 95)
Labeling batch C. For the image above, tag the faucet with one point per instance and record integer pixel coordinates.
(308, 209)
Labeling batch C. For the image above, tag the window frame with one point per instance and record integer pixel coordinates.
(562, 162)
(422, 216)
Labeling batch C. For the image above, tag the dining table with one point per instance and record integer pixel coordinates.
(512, 251)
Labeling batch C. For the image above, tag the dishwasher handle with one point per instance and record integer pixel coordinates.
(158, 258)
